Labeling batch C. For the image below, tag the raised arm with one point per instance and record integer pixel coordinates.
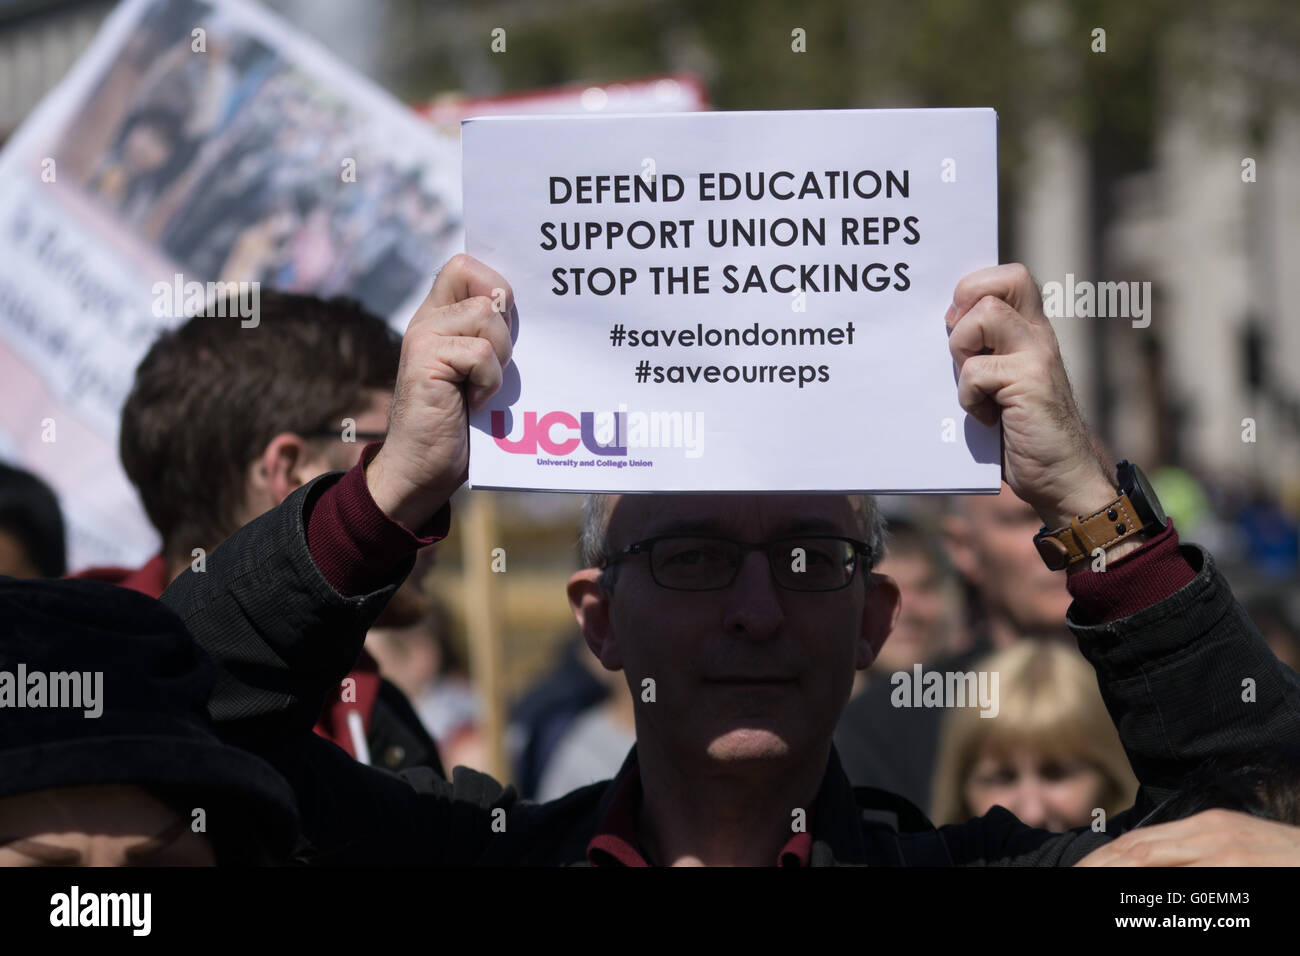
(283, 606)
(1183, 671)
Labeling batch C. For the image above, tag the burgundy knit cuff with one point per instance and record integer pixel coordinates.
(357, 548)
(1134, 582)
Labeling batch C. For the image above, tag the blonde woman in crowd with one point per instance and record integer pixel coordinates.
(1051, 755)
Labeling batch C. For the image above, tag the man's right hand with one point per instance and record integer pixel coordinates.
(453, 354)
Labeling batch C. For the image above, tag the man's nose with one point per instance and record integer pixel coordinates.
(755, 610)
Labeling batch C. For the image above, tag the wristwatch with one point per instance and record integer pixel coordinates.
(1136, 511)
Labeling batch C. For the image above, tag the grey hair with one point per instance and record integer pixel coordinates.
(596, 511)
(595, 528)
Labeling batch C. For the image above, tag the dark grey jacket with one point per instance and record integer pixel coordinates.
(1171, 675)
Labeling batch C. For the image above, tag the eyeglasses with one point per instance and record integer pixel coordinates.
(701, 562)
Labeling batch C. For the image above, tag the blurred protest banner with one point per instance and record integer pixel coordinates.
(199, 149)
(733, 301)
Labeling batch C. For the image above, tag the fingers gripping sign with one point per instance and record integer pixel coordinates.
(1009, 366)
(453, 356)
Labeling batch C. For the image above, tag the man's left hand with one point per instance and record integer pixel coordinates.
(1009, 364)
(1211, 838)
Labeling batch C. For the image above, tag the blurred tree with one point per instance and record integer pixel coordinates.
(1025, 58)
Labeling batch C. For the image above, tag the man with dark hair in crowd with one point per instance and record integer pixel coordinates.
(32, 542)
(107, 754)
(224, 422)
(751, 660)
(1264, 783)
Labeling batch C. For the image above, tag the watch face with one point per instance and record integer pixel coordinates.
(1154, 518)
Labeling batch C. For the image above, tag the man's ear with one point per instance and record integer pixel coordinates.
(591, 609)
(959, 542)
(879, 615)
(286, 464)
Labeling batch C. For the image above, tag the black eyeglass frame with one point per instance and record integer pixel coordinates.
(646, 547)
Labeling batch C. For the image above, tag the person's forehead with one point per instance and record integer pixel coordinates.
(745, 515)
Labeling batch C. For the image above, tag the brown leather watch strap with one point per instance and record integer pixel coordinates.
(1076, 541)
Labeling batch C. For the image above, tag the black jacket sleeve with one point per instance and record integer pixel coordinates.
(282, 639)
(1184, 680)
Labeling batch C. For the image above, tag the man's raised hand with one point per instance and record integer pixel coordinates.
(1008, 362)
(453, 356)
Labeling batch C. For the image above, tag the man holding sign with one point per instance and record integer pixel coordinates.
(740, 663)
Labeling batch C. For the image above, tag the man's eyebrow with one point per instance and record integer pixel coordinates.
(159, 841)
(64, 856)
(42, 852)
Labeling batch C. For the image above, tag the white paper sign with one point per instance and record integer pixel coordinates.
(733, 301)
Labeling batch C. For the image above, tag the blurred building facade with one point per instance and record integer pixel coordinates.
(1213, 383)
(39, 42)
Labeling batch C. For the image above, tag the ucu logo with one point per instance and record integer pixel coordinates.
(606, 434)
(543, 432)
